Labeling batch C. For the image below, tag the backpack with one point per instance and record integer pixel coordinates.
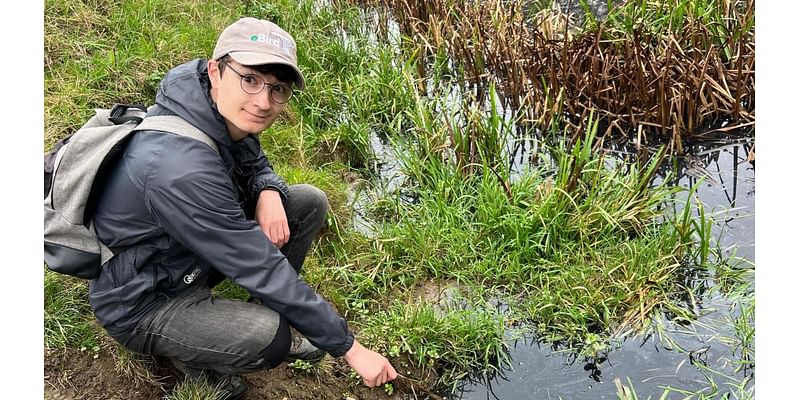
(74, 171)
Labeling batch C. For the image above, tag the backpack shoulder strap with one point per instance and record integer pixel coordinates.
(177, 125)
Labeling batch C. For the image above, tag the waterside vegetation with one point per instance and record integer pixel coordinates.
(673, 69)
(575, 248)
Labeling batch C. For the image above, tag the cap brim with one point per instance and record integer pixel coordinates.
(252, 59)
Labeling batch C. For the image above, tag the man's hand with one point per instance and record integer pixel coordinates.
(373, 368)
(271, 217)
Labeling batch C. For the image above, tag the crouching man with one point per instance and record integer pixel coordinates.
(184, 216)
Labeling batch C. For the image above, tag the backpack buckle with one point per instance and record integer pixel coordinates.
(118, 111)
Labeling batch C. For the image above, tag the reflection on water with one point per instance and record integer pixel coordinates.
(725, 184)
(727, 191)
(649, 364)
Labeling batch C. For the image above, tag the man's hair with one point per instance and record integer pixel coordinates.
(281, 72)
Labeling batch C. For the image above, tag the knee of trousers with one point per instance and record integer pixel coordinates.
(265, 345)
(310, 198)
(274, 352)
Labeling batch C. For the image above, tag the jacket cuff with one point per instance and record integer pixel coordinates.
(283, 190)
(345, 347)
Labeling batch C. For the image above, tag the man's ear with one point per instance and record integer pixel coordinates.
(213, 72)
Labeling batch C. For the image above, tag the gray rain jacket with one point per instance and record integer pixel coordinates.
(175, 208)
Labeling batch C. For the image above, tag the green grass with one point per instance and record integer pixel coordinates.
(435, 335)
(574, 250)
(102, 52)
(67, 321)
(585, 253)
(194, 390)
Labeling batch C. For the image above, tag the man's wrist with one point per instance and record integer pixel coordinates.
(352, 352)
(269, 192)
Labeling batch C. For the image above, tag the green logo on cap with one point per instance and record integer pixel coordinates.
(254, 38)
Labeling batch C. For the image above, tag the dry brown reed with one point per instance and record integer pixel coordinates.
(676, 82)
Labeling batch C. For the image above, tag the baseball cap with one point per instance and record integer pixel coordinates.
(251, 41)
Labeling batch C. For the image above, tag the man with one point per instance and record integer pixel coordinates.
(184, 216)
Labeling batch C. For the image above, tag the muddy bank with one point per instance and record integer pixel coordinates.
(74, 375)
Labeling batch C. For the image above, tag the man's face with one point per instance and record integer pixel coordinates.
(244, 113)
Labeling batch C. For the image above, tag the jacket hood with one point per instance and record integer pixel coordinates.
(184, 91)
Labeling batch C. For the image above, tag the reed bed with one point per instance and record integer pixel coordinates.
(676, 68)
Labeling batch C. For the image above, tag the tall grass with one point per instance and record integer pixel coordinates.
(582, 253)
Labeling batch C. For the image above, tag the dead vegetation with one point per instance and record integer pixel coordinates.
(672, 68)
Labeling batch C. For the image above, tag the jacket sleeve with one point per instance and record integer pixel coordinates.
(192, 198)
(254, 167)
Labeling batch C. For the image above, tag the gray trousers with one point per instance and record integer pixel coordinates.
(228, 336)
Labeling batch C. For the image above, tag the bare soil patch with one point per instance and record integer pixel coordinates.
(78, 375)
(73, 375)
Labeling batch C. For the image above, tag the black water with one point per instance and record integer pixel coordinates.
(647, 364)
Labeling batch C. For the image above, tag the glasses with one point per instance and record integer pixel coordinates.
(254, 84)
